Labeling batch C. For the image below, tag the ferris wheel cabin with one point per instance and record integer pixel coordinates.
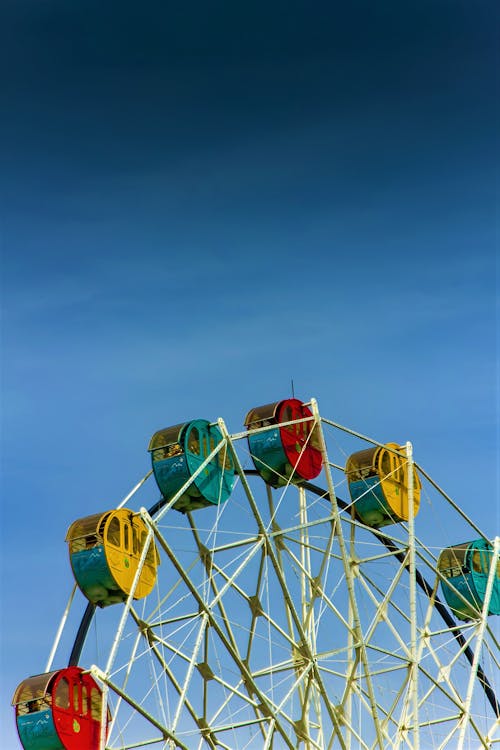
(59, 710)
(105, 551)
(377, 479)
(466, 568)
(283, 453)
(178, 452)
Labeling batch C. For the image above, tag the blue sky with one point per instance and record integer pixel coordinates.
(201, 203)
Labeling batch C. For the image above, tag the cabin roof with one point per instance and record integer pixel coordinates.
(33, 687)
(167, 436)
(259, 413)
(84, 526)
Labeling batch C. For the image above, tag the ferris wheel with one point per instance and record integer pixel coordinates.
(276, 595)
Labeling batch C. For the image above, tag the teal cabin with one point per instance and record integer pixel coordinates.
(178, 452)
(466, 568)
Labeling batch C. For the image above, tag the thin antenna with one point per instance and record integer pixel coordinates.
(293, 389)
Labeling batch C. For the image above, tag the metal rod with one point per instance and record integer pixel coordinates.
(428, 590)
(134, 490)
(60, 630)
(119, 632)
(451, 502)
(413, 686)
(348, 574)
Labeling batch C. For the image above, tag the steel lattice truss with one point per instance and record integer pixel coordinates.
(279, 621)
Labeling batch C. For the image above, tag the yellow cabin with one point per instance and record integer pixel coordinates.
(105, 551)
(378, 486)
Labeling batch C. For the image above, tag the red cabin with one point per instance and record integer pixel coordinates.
(283, 452)
(59, 710)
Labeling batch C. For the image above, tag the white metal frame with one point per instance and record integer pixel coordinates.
(292, 582)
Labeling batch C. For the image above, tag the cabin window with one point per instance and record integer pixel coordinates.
(391, 467)
(113, 533)
(365, 472)
(90, 541)
(451, 572)
(258, 423)
(62, 693)
(385, 463)
(126, 536)
(31, 706)
(205, 446)
(85, 707)
(95, 704)
(158, 454)
(225, 459)
(286, 416)
(477, 563)
(101, 527)
(194, 441)
(481, 561)
(315, 439)
(151, 553)
(77, 545)
(166, 452)
(27, 708)
(400, 470)
(352, 471)
(451, 562)
(76, 706)
(303, 428)
(135, 541)
(172, 450)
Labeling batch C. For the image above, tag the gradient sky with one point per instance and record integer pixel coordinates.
(203, 201)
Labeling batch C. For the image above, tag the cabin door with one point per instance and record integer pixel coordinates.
(72, 714)
(306, 459)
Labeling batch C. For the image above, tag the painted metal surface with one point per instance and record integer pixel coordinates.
(299, 613)
(59, 711)
(466, 568)
(286, 452)
(180, 452)
(378, 486)
(105, 551)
